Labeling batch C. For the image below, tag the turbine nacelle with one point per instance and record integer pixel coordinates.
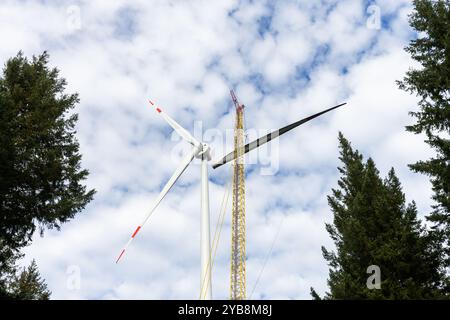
(204, 152)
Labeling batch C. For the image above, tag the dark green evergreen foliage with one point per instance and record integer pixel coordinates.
(8, 259)
(373, 226)
(431, 83)
(314, 294)
(28, 285)
(40, 173)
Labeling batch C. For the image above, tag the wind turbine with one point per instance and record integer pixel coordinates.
(202, 151)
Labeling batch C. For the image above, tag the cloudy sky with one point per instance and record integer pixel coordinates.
(285, 60)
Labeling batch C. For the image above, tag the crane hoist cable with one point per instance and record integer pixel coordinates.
(267, 258)
(219, 225)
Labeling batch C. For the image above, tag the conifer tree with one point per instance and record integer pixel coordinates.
(431, 82)
(29, 285)
(40, 171)
(373, 226)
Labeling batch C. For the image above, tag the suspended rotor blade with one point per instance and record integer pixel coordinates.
(179, 129)
(178, 172)
(260, 141)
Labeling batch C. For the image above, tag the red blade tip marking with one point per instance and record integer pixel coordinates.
(151, 102)
(158, 109)
(121, 254)
(136, 231)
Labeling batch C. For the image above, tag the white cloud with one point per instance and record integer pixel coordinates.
(185, 56)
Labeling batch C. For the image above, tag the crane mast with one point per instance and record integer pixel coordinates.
(238, 282)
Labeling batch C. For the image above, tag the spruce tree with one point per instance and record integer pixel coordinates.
(431, 82)
(28, 285)
(41, 179)
(373, 226)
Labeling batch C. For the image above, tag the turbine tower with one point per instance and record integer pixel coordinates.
(237, 281)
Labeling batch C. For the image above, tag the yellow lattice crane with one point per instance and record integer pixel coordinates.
(237, 281)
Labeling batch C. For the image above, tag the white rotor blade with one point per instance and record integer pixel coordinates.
(179, 129)
(183, 165)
